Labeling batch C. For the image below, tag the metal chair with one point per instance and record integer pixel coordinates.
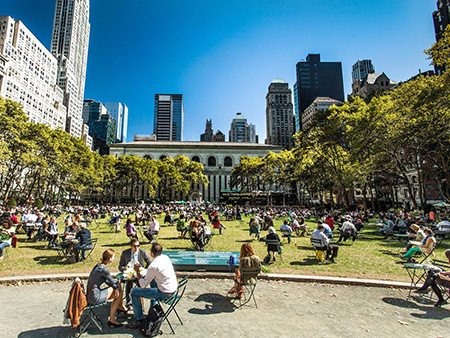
(248, 281)
(173, 300)
(91, 316)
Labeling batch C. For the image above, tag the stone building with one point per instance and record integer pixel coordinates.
(217, 158)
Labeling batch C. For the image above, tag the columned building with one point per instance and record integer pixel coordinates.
(279, 114)
(70, 43)
(28, 74)
(168, 117)
(217, 158)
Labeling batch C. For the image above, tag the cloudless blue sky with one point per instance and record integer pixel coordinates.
(222, 55)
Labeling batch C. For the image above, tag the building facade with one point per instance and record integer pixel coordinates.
(279, 114)
(317, 79)
(441, 19)
(361, 69)
(102, 126)
(29, 74)
(168, 117)
(319, 105)
(208, 135)
(119, 111)
(218, 136)
(241, 131)
(70, 43)
(217, 158)
(372, 84)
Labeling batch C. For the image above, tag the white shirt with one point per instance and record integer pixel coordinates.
(161, 270)
(154, 227)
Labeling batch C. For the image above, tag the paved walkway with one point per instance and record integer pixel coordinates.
(285, 309)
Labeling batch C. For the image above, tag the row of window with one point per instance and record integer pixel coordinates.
(212, 162)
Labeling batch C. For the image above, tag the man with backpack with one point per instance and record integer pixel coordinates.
(161, 277)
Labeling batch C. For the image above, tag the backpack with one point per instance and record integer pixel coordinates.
(151, 326)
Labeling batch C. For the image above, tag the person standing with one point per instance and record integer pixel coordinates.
(161, 277)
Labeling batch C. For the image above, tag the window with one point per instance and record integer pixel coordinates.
(196, 159)
(211, 161)
(228, 162)
(162, 157)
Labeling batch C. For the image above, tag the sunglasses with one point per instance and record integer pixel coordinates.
(136, 246)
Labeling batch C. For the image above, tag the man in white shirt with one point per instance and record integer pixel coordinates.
(347, 230)
(161, 277)
(321, 242)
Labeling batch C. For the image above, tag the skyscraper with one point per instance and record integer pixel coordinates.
(28, 74)
(316, 78)
(361, 69)
(119, 111)
(242, 131)
(102, 125)
(279, 114)
(70, 43)
(207, 136)
(441, 19)
(168, 122)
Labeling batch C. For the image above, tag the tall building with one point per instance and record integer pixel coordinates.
(28, 74)
(441, 19)
(279, 114)
(319, 105)
(361, 69)
(168, 122)
(218, 136)
(316, 79)
(208, 135)
(102, 126)
(119, 111)
(70, 43)
(242, 131)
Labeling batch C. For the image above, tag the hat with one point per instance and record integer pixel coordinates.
(414, 227)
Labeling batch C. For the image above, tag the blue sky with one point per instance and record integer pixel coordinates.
(222, 55)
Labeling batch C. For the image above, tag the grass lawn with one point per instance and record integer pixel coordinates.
(369, 257)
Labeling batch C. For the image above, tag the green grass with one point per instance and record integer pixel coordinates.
(369, 257)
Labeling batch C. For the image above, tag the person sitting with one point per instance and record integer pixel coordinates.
(168, 219)
(254, 227)
(198, 236)
(388, 227)
(84, 242)
(274, 244)
(359, 224)
(51, 229)
(323, 243)
(6, 236)
(347, 230)
(161, 277)
(181, 226)
(286, 230)
(127, 260)
(247, 261)
(152, 230)
(330, 221)
(327, 230)
(427, 245)
(436, 278)
(130, 229)
(96, 294)
(215, 221)
(115, 222)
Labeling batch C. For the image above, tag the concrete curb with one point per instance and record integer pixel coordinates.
(219, 275)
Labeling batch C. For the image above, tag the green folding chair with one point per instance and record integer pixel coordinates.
(172, 302)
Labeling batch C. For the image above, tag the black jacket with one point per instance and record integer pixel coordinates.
(125, 258)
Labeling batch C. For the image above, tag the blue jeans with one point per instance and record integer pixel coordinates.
(151, 293)
(83, 248)
(3, 245)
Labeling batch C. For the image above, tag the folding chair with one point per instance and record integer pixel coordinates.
(417, 273)
(91, 316)
(173, 300)
(427, 257)
(319, 249)
(93, 245)
(248, 281)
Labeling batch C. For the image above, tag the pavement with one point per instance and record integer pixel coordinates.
(285, 309)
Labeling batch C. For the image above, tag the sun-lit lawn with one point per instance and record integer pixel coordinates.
(369, 257)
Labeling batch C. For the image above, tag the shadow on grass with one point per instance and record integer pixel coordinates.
(305, 262)
(49, 260)
(305, 247)
(245, 241)
(170, 238)
(115, 245)
(429, 312)
(216, 303)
